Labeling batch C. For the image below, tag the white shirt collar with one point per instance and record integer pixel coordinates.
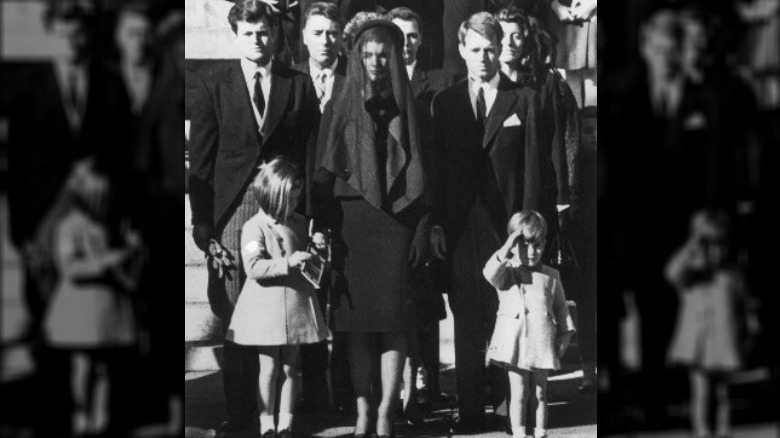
(490, 89)
(315, 70)
(250, 68)
(492, 84)
(410, 69)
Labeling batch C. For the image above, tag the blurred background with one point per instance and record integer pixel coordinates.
(91, 148)
(690, 109)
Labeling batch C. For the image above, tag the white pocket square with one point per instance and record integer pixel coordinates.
(696, 121)
(512, 121)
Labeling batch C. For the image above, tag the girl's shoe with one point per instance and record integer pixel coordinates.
(284, 434)
(269, 434)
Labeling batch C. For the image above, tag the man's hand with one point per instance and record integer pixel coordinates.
(276, 5)
(438, 243)
(583, 10)
(562, 12)
(202, 234)
(419, 251)
(563, 344)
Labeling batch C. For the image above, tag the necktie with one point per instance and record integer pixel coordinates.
(73, 91)
(526, 273)
(258, 98)
(321, 85)
(481, 107)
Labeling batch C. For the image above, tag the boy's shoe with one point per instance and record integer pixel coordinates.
(269, 434)
(284, 434)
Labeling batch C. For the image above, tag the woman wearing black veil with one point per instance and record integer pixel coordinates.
(368, 189)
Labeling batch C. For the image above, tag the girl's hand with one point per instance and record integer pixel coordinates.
(297, 259)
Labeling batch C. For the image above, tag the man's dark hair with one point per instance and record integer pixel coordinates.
(253, 11)
(327, 10)
(406, 14)
(66, 11)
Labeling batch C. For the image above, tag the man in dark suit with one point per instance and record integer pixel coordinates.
(57, 134)
(425, 84)
(682, 124)
(327, 69)
(245, 113)
(490, 162)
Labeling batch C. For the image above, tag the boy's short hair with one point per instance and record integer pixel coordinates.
(406, 14)
(253, 11)
(273, 186)
(327, 10)
(483, 23)
(532, 224)
(711, 223)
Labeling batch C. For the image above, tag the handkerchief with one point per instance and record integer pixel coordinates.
(696, 121)
(512, 121)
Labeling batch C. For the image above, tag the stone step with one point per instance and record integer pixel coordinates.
(13, 320)
(193, 256)
(187, 213)
(200, 324)
(195, 284)
(202, 356)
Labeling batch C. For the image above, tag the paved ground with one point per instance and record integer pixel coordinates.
(571, 413)
(764, 430)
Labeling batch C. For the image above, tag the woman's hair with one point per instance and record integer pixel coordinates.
(274, 184)
(515, 15)
(532, 224)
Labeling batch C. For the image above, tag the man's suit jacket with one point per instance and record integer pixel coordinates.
(519, 160)
(44, 147)
(225, 145)
(339, 75)
(425, 85)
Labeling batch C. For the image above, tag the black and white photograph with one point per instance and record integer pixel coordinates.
(686, 240)
(445, 152)
(91, 175)
(396, 217)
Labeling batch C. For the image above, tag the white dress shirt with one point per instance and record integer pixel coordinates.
(73, 80)
(410, 69)
(490, 89)
(323, 78)
(249, 69)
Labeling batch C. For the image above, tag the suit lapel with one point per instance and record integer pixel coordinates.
(419, 82)
(277, 102)
(505, 101)
(234, 87)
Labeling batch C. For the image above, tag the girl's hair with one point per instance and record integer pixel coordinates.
(274, 184)
(531, 222)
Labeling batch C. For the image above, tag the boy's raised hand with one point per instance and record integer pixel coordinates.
(509, 245)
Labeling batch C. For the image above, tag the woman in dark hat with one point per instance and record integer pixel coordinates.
(368, 189)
